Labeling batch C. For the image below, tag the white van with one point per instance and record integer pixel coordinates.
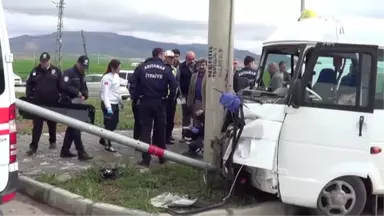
(125, 74)
(321, 144)
(8, 163)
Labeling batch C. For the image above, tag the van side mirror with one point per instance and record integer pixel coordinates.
(296, 93)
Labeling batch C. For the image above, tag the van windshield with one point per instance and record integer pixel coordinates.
(277, 65)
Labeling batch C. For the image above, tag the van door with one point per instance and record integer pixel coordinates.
(327, 137)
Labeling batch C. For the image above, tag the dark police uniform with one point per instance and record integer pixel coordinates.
(43, 88)
(171, 111)
(135, 105)
(245, 72)
(73, 87)
(151, 81)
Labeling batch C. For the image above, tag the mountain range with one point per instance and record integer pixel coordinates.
(106, 44)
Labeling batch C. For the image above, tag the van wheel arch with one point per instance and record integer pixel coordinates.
(355, 188)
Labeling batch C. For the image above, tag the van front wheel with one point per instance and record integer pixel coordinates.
(342, 196)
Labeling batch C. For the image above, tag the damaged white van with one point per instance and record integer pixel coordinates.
(317, 142)
(8, 162)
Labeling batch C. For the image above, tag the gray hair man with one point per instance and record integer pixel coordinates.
(277, 79)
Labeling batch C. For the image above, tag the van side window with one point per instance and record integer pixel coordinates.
(2, 75)
(122, 75)
(379, 96)
(342, 80)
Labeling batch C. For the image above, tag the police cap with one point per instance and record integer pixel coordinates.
(83, 61)
(44, 57)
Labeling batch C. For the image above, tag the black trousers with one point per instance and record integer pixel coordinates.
(110, 121)
(38, 129)
(72, 135)
(171, 110)
(136, 125)
(186, 114)
(152, 113)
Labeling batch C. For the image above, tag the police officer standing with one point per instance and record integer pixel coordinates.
(171, 103)
(135, 104)
(42, 88)
(152, 80)
(74, 90)
(247, 71)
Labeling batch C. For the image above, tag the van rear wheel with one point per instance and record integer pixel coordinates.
(342, 196)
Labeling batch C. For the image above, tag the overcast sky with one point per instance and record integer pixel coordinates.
(177, 21)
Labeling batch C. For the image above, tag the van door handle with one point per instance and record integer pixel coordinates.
(361, 123)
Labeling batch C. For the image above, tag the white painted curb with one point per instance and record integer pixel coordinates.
(77, 205)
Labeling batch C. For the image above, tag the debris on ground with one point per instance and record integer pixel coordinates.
(167, 199)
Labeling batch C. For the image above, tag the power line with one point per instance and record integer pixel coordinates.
(84, 44)
(59, 32)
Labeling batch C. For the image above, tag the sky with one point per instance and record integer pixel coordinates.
(177, 21)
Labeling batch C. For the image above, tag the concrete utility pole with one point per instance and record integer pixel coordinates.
(59, 33)
(220, 71)
(302, 6)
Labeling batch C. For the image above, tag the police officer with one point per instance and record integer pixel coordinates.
(247, 71)
(42, 88)
(135, 105)
(152, 80)
(171, 104)
(74, 90)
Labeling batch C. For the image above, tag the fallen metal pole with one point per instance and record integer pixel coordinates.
(101, 132)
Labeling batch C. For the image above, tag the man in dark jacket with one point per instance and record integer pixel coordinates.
(184, 74)
(247, 72)
(42, 88)
(74, 90)
(153, 83)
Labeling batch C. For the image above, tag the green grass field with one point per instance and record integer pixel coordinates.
(23, 67)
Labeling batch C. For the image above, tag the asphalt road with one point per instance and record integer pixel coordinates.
(23, 205)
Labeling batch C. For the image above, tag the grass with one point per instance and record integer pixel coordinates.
(126, 117)
(23, 67)
(134, 188)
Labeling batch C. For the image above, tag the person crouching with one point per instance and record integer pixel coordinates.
(196, 135)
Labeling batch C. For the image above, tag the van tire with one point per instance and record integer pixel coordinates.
(350, 185)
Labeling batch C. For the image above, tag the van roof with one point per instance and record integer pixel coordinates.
(328, 30)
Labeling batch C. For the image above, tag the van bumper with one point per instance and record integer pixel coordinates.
(11, 188)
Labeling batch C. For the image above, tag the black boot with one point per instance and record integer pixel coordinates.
(143, 164)
(68, 154)
(162, 160)
(102, 141)
(84, 156)
(52, 145)
(31, 152)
